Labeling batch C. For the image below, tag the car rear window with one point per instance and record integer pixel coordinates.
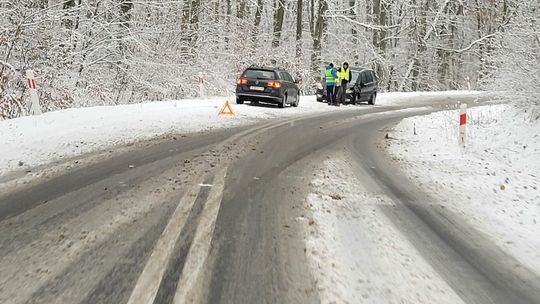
(259, 74)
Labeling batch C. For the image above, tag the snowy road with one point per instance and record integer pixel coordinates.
(227, 217)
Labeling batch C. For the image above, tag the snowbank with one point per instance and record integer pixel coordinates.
(27, 142)
(399, 98)
(494, 183)
(37, 140)
(356, 253)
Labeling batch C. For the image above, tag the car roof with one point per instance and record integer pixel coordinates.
(360, 69)
(266, 68)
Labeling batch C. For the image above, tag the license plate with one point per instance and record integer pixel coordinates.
(256, 88)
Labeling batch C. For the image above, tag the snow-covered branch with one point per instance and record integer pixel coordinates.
(12, 68)
(470, 46)
(364, 25)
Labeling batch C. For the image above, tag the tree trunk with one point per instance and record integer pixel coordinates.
(421, 45)
(185, 15)
(68, 5)
(228, 20)
(312, 17)
(319, 32)
(241, 13)
(190, 24)
(194, 15)
(354, 32)
(380, 18)
(125, 8)
(299, 12)
(258, 13)
(257, 23)
(278, 22)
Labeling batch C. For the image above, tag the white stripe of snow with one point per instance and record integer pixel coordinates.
(189, 285)
(147, 286)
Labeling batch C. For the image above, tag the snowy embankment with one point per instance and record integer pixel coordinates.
(358, 255)
(493, 183)
(31, 141)
(35, 140)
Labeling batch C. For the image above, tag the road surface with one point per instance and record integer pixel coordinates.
(207, 219)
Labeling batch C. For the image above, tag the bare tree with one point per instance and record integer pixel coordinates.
(90, 52)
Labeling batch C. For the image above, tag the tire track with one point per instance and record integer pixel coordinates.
(84, 277)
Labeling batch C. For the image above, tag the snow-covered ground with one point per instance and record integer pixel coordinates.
(494, 182)
(31, 141)
(36, 140)
(356, 253)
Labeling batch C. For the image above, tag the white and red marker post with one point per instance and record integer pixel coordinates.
(200, 81)
(462, 124)
(34, 108)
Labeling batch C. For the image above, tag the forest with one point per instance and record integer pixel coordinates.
(106, 52)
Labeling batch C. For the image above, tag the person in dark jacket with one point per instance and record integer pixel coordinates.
(330, 77)
(345, 76)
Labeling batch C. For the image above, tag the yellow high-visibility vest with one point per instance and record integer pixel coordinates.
(338, 78)
(345, 74)
(329, 77)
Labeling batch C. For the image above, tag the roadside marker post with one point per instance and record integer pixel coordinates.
(200, 81)
(33, 108)
(226, 110)
(462, 124)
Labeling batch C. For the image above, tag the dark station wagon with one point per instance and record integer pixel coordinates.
(268, 85)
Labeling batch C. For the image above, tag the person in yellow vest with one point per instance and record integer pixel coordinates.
(345, 77)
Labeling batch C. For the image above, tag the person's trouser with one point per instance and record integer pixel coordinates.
(339, 95)
(330, 94)
(342, 94)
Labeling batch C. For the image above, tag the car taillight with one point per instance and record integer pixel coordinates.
(241, 81)
(274, 84)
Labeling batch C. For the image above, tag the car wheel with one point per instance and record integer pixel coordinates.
(239, 100)
(281, 105)
(372, 99)
(295, 104)
(353, 99)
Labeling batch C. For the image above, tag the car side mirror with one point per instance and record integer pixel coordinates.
(298, 81)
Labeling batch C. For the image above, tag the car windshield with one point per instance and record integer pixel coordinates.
(355, 75)
(259, 74)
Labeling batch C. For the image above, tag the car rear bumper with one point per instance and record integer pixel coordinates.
(259, 97)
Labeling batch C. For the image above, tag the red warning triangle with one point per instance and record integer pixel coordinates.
(226, 110)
